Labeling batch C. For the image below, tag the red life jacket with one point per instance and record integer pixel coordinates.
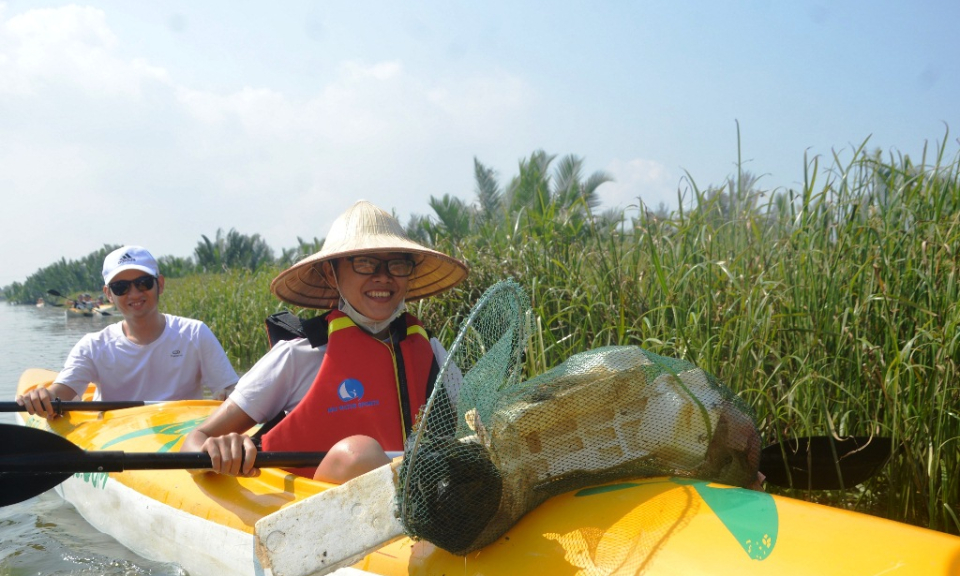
(359, 389)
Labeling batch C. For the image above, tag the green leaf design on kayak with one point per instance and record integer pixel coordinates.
(178, 430)
(95, 479)
(749, 515)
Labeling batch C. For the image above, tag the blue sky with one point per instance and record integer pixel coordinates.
(155, 122)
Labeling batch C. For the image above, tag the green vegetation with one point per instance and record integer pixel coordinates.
(66, 277)
(830, 309)
(225, 252)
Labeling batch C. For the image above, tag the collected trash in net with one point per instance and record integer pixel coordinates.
(479, 461)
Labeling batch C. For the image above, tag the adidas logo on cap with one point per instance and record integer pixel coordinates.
(126, 259)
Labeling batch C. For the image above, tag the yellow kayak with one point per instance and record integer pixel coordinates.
(78, 313)
(105, 310)
(653, 526)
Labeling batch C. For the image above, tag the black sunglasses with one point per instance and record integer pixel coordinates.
(121, 287)
(368, 265)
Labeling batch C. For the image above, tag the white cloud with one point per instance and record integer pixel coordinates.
(68, 47)
(639, 180)
(128, 154)
(259, 111)
(354, 70)
(377, 106)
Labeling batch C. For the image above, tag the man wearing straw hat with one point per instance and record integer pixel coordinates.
(355, 392)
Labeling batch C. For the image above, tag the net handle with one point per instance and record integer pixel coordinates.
(411, 452)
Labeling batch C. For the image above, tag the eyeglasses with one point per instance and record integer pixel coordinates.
(368, 265)
(121, 287)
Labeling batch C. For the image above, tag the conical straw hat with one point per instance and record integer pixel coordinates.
(364, 229)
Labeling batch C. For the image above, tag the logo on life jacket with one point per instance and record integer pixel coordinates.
(350, 389)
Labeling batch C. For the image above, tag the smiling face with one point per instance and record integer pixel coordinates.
(375, 296)
(135, 303)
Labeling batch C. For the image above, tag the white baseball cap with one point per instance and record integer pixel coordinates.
(129, 258)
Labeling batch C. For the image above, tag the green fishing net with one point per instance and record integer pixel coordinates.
(489, 447)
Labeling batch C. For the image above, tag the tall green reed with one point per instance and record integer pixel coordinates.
(234, 304)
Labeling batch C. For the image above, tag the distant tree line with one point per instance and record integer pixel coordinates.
(232, 250)
(64, 277)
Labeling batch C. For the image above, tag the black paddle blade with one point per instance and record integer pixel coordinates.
(824, 462)
(18, 443)
(53, 292)
(15, 488)
(23, 441)
(32, 461)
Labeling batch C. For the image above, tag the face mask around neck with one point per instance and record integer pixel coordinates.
(371, 326)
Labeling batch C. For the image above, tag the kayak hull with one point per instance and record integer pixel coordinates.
(670, 526)
(157, 531)
(653, 526)
(77, 313)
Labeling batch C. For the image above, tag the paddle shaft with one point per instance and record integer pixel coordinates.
(57, 294)
(115, 461)
(817, 462)
(61, 406)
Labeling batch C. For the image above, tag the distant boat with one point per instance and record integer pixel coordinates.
(85, 307)
(74, 312)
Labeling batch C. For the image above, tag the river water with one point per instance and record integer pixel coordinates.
(45, 535)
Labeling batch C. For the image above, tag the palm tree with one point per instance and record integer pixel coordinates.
(562, 197)
(455, 217)
(540, 200)
(175, 266)
(489, 196)
(304, 248)
(529, 190)
(235, 250)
